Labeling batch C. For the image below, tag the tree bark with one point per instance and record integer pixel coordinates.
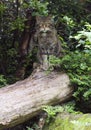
(24, 45)
(24, 99)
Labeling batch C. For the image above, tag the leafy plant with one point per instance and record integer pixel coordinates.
(39, 7)
(78, 66)
(3, 81)
(2, 8)
(52, 111)
(18, 24)
(69, 21)
(84, 37)
(28, 128)
(70, 107)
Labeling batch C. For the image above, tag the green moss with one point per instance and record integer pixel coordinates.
(70, 122)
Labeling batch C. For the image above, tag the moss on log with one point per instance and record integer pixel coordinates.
(66, 121)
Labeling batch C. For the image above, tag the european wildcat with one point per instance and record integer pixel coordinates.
(47, 40)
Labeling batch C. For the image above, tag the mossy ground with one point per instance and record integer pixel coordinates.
(70, 122)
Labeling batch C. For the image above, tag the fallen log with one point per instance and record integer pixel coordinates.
(24, 99)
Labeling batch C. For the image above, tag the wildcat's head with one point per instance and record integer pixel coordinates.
(44, 24)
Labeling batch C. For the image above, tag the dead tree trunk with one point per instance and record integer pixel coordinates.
(24, 45)
(24, 99)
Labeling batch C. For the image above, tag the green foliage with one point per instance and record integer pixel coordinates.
(18, 24)
(69, 24)
(3, 81)
(77, 62)
(52, 111)
(78, 66)
(34, 127)
(70, 107)
(69, 21)
(2, 8)
(54, 61)
(84, 37)
(39, 7)
(28, 128)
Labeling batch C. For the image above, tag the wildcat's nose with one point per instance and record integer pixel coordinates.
(44, 29)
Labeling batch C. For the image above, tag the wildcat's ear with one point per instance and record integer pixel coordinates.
(38, 19)
(49, 16)
(44, 18)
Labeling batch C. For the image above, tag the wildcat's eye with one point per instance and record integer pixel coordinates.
(41, 31)
(52, 25)
(37, 26)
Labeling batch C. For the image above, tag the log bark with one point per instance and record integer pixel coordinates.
(24, 99)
